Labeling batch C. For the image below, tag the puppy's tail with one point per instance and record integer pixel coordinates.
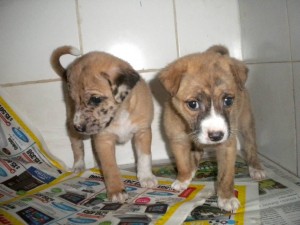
(57, 53)
(219, 49)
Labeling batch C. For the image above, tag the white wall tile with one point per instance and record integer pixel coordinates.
(204, 23)
(271, 90)
(30, 30)
(265, 31)
(296, 73)
(294, 21)
(140, 32)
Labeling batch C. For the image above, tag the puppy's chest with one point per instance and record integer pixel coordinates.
(123, 127)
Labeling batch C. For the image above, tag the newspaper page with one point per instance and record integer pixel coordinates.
(25, 163)
(36, 189)
(279, 196)
(208, 213)
(83, 199)
(279, 193)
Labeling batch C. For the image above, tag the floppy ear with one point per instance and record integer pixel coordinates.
(125, 80)
(218, 49)
(240, 73)
(170, 77)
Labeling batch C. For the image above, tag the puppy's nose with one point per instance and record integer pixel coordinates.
(215, 135)
(80, 127)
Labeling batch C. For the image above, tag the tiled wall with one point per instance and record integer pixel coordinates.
(150, 34)
(270, 45)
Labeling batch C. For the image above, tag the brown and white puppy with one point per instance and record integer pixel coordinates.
(109, 101)
(208, 107)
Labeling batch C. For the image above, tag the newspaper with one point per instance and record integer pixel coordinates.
(279, 196)
(36, 188)
(279, 193)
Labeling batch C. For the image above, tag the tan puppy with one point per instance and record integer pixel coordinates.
(108, 100)
(208, 107)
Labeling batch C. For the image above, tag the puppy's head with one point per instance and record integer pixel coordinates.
(206, 90)
(98, 83)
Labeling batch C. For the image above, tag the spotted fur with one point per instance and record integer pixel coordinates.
(101, 91)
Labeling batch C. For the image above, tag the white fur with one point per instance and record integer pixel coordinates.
(144, 172)
(212, 123)
(119, 197)
(74, 51)
(78, 166)
(125, 128)
(228, 204)
(180, 186)
(76, 119)
(121, 89)
(257, 174)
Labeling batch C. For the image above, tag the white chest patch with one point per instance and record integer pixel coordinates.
(123, 127)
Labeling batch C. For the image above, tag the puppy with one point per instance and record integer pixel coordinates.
(109, 101)
(208, 107)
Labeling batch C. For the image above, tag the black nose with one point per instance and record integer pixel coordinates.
(80, 128)
(215, 135)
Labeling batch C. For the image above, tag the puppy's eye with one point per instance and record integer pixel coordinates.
(95, 101)
(228, 101)
(193, 105)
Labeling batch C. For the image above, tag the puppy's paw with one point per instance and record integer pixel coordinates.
(257, 174)
(228, 204)
(148, 181)
(120, 197)
(78, 166)
(180, 186)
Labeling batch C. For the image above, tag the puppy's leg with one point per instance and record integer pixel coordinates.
(226, 156)
(105, 150)
(78, 150)
(142, 142)
(247, 129)
(185, 162)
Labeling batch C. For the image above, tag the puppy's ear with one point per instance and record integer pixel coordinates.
(240, 73)
(125, 80)
(218, 49)
(170, 77)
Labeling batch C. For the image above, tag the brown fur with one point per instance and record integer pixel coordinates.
(208, 78)
(102, 89)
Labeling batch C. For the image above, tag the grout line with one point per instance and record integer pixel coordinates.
(267, 62)
(79, 26)
(294, 92)
(30, 82)
(59, 79)
(176, 30)
(139, 71)
(288, 23)
(276, 163)
(241, 31)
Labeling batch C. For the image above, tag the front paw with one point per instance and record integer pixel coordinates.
(120, 196)
(257, 174)
(78, 166)
(148, 181)
(228, 204)
(180, 186)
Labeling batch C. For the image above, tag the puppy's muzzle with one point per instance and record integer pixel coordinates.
(80, 127)
(215, 136)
